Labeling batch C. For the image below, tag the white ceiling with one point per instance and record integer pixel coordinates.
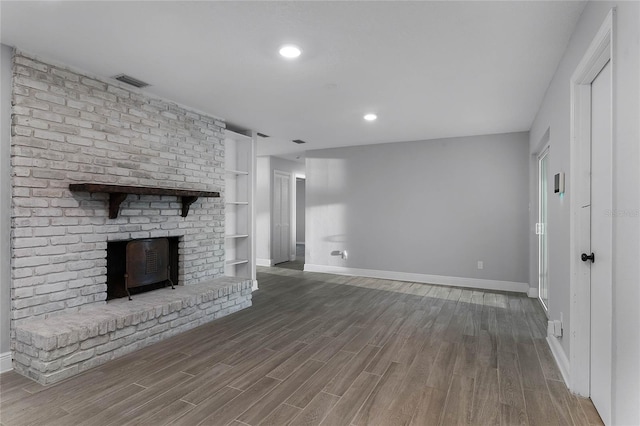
(428, 69)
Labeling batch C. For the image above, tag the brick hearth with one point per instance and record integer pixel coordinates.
(56, 348)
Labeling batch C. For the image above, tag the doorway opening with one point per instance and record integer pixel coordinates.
(282, 212)
(541, 228)
(300, 219)
(297, 260)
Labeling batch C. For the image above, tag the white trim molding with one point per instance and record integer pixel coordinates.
(533, 292)
(5, 362)
(254, 285)
(264, 262)
(600, 52)
(560, 357)
(421, 278)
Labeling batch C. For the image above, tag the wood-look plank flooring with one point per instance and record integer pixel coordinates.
(320, 349)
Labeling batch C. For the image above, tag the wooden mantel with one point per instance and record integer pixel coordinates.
(117, 194)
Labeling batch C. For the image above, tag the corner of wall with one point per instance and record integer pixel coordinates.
(6, 71)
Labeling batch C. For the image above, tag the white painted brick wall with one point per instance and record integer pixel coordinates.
(71, 128)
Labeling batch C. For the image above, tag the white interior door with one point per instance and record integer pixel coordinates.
(281, 216)
(601, 243)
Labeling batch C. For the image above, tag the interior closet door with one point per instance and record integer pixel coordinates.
(601, 244)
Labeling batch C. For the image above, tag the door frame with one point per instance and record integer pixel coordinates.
(289, 209)
(544, 152)
(600, 52)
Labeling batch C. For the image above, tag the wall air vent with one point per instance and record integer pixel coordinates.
(298, 141)
(262, 135)
(131, 81)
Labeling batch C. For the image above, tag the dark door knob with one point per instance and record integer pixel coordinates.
(586, 257)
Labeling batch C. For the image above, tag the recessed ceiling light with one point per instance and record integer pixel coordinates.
(290, 51)
(370, 117)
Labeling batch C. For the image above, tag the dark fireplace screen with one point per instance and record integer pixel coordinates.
(140, 265)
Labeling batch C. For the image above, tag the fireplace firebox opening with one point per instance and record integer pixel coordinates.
(137, 266)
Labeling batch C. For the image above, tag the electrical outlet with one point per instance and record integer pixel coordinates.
(480, 264)
(561, 325)
(554, 328)
(557, 328)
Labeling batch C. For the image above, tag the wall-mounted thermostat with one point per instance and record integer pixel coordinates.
(558, 183)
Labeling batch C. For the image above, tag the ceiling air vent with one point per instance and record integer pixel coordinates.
(262, 135)
(131, 81)
(298, 141)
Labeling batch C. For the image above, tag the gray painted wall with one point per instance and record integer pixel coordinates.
(431, 207)
(300, 208)
(554, 115)
(6, 53)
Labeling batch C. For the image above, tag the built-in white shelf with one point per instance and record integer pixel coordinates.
(236, 262)
(237, 172)
(240, 166)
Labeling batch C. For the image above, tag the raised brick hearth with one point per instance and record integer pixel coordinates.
(68, 128)
(53, 349)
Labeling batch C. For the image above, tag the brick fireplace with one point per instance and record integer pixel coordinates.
(72, 128)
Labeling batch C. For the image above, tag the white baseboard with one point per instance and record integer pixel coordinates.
(422, 278)
(264, 262)
(5, 362)
(254, 286)
(533, 292)
(561, 358)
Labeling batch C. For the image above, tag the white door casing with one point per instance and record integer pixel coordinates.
(591, 227)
